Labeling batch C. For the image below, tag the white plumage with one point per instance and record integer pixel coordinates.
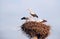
(32, 13)
(42, 20)
(27, 19)
(31, 18)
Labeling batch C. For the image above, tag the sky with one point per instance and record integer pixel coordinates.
(11, 12)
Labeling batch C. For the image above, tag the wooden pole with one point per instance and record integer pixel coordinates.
(35, 37)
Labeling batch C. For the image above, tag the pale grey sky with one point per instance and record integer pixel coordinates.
(12, 10)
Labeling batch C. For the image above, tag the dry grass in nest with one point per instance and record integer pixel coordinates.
(36, 29)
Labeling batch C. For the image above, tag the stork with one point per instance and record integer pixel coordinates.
(24, 18)
(27, 19)
(42, 20)
(32, 13)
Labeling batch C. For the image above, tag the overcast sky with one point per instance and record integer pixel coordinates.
(12, 10)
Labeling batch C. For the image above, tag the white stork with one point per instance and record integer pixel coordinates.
(32, 13)
(42, 20)
(27, 19)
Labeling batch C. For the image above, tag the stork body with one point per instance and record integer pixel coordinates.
(33, 13)
(42, 20)
(27, 19)
(24, 18)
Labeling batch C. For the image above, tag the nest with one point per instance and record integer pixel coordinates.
(36, 29)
